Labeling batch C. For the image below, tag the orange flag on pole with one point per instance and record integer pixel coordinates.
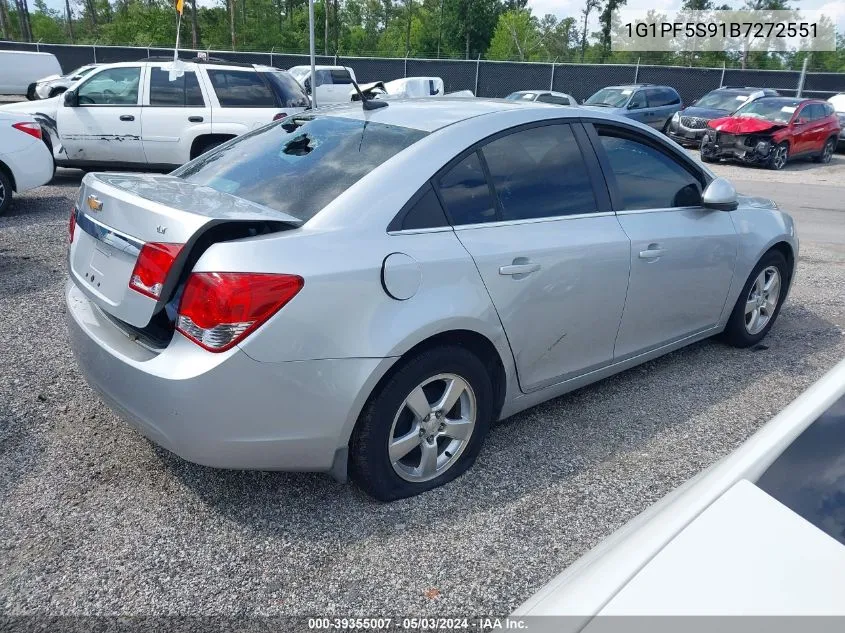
(179, 6)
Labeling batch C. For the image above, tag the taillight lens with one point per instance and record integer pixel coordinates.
(280, 115)
(71, 224)
(218, 310)
(33, 129)
(152, 266)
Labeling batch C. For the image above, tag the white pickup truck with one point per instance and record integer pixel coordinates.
(142, 114)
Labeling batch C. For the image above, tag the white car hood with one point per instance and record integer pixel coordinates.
(746, 554)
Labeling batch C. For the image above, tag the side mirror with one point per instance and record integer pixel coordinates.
(720, 195)
(76, 78)
(71, 99)
(799, 121)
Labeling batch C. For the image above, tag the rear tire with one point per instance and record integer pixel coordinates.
(5, 192)
(827, 151)
(758, 300)
(407, 408)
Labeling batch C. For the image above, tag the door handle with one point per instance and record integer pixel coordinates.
(520, 267)
(127, 117)
(195, 119)
(652, 253)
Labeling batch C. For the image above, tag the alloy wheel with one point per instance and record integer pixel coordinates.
(762, 300)
(827, 152)
(432, 427)
(780, 157)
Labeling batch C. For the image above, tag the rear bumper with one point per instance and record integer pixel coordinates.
(31, 166)
(222, 410)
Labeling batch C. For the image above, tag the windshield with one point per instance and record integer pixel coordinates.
(300, 164)
(610, 97)
(775, 110)
(728, 101)
(300, 72)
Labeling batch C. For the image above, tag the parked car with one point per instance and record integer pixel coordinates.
(687, 126)
(405, 88)
(544, 96)
(54, 85)
(21, 68)
(395, 292)
(25, 161)
(333, 82)
(771, 131)
(150, 114)
(653, 105)
(760, 533)
(838, 103)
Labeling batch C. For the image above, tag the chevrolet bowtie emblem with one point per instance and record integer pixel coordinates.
(94, 203)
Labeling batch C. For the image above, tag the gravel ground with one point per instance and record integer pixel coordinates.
(801, 171)
(96, 520)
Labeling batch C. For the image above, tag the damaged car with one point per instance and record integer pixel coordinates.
(771, 131)
(687, 126)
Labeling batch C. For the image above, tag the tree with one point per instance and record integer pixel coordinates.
(606, 21)
(517, 36)
(194, 30)
(231, 5)
(589, 7)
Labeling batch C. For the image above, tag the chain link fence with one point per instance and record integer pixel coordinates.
(487, 78)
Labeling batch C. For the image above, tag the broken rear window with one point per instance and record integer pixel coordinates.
(300, 164)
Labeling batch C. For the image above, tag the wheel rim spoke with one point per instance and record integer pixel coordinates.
(418, 403)
(428, 461)
(459, 429)
(750, 306)
(454, 388)
(401, 446)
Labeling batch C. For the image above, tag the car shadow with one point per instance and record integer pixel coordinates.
(539, 448)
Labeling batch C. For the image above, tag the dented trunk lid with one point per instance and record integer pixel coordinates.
(118, 213)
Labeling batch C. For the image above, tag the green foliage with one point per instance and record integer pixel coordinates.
(493, 29)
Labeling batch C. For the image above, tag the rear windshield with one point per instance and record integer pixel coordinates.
(289, 92)
(809, 476)
(300, 164)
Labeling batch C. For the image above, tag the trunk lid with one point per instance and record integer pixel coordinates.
(118, 213)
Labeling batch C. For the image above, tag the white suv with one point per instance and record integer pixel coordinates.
(333, 82)
(142, 114)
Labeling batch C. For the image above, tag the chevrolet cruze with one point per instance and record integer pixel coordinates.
(365, 291)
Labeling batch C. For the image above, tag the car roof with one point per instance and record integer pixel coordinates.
(427, 115)
(320, 67)
(792, 101)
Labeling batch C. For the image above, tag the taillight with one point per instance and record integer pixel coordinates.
(218, 310)
(71, 224)
(152, 266)
(33, 129)
(280, 115)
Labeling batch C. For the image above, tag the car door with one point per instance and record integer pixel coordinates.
(659, 111)
(244, 100)
(637, 108)
(340, 86)
(817, 133)
(802, 130)
(174, 112)
(682, 255)
(104, 125)
(551, 254)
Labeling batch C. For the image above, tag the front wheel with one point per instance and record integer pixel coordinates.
(779, 157)
(760, 301)
(424, 427)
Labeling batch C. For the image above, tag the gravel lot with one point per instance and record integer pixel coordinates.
(96, 520)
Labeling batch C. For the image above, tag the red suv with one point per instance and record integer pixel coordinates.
(772, 131)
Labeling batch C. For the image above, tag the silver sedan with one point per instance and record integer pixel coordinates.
(365, 291)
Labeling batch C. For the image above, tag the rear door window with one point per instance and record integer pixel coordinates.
(240, 89)
(182, 91)
(539, 173)
(301, 164)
